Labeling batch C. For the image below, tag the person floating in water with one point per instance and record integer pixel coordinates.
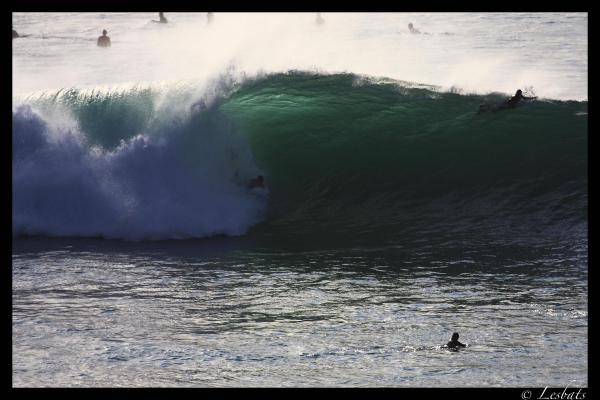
(258, 182)
(209, 17)
(454, 343)
(513, 101)
(320, 21)
(104, 41)
(15, 34)
(412, 29)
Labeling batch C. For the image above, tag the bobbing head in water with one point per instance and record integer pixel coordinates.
(454, 343)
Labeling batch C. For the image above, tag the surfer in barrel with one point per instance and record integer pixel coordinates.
(510, 103)
(258, 182)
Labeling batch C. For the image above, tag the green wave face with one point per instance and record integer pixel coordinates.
(378, 160)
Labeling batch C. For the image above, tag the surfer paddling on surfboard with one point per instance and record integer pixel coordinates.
(510, 103)
(518, 97)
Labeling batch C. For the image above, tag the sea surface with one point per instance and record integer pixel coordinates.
(394, 214)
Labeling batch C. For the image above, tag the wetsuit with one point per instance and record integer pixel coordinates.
(453, 344)
(104, 41)
(516, 98)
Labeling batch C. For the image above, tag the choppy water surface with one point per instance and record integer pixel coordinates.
(86, 314)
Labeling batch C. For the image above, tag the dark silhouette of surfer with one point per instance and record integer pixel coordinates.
(513, 101)
(104, 41)
(415, 31)
(15, 34)
(510, 103)
(258, 182)
(454, 343)
(412, 29)
(161, 18)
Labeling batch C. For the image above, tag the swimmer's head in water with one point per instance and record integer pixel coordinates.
(455, 336)
(410, 25)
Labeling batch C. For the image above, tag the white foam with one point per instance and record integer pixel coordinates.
(184, 180)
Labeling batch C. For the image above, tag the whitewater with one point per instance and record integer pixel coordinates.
(395, 213)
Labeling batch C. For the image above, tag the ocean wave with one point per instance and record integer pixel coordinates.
(345, 155)
(165, 179)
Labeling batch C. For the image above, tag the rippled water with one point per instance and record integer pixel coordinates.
(98, 313)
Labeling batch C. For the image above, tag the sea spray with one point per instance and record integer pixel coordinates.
(167, 178)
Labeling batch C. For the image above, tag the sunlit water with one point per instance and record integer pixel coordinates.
(90, 313)
(474, 52)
